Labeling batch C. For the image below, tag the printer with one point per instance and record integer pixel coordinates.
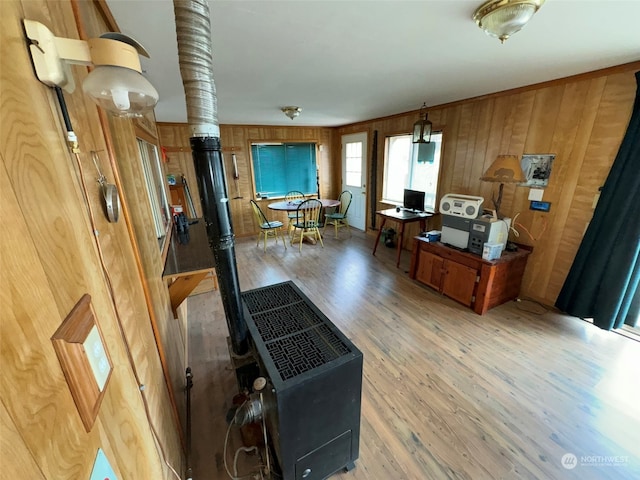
(464, 226)
(488, 229)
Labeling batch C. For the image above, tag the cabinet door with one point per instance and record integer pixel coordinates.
(459, 282)
(429, 269)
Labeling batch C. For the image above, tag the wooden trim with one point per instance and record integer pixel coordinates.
(176, 149)
(107, 16)
(104, 123)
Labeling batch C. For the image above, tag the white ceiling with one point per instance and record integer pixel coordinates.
(347, 61)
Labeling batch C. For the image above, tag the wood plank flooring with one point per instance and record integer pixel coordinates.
(447, 394)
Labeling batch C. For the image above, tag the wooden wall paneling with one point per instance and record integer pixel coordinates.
(545, 226)
(72, 261)
(565, 117)
(465, 140)
(571, 229)
(144, 300)
(470, 180)
(478, 151)
(15, 458)
(51, 247)
(170, 335)
(448, 158)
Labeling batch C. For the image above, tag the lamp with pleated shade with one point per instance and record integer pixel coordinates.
(504, 169)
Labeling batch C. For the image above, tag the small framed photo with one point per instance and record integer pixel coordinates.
(537, 169)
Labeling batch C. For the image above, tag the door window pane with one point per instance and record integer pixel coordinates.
(353, 164)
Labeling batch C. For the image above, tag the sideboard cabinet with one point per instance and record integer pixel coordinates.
(467, 278)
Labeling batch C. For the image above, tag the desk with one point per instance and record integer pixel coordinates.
(188, 264)
(402, 217)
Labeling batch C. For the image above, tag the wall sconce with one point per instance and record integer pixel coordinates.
(116, 83)
(422, 128)
(291, 111)
(503, 18)
(504, 169)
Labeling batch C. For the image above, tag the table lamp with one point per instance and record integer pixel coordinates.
(504, 169)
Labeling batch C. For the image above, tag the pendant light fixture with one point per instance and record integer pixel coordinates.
(503, 18)
(422, 128)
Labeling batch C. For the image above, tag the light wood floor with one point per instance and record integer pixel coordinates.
(446, 393)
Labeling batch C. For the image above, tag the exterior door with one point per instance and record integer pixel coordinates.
(354, 152)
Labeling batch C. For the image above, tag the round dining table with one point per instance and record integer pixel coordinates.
(292, 206)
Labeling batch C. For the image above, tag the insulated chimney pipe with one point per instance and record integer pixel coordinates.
(193, 29)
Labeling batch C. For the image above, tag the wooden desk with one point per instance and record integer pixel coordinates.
(188, 264)
(402, 218)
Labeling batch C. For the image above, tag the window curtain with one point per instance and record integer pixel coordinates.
(603, 282)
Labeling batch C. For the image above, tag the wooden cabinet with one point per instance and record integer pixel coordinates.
(467, 278)
(178, 197)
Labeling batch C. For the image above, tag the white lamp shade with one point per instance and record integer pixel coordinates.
(503, 23)
(503, 18)
(121, 91)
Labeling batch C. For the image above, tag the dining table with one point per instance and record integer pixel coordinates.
(292, 206)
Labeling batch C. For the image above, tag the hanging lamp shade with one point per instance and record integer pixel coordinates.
(422, 128)
(503, 18)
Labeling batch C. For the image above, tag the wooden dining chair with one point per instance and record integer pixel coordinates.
(293, 196)
(307, 222)
(267, 228)
(339, 218)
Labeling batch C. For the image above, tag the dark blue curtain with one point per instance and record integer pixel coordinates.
(604, 280)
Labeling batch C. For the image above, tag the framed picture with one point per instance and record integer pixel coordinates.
(537, 169)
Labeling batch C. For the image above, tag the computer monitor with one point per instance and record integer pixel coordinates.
(413, 200)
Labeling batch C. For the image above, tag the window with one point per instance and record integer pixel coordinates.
(408, 166)
(156, 192)
(281, 168)
(353, 165)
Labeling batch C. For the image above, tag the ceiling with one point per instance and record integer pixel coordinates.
(348, 61)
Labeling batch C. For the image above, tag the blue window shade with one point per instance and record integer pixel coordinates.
(278, 169)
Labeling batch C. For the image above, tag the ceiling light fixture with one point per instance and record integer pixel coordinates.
(291, 111)
(116, 83)
(503, 18)
(422, 128)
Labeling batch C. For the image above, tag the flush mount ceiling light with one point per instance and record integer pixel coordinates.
(116, 83)
(291, 111)
(503, 18)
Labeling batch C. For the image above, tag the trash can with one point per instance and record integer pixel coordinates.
(388, 237)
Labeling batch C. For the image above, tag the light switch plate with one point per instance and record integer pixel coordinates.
(84, 359)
